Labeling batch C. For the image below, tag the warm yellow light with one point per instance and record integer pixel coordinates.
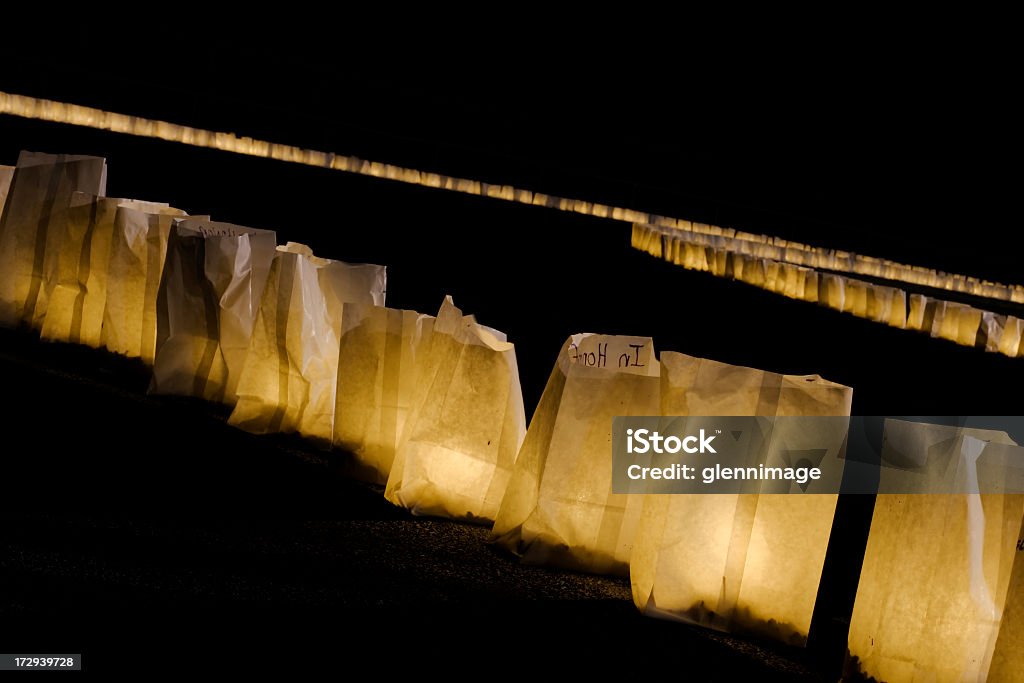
(377, 371)
(74, 289)
(209, 295)
(290, 376)
(559, 508)
(935, 600)
(461, 440)
(883, 304)
(137, 253)
(724, 239)
(739, 562)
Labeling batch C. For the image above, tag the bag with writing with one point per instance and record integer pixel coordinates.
(137, 252)
(935, 594)
(461, 441)
(747, 561)
(291, 370)
(377, 372)
(210, 290)
(39, 196)
(559, 508)
(75, 279)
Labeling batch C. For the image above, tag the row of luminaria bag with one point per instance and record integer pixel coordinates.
(432, 407)
(892, 306)
(762, 246)
(680, 550)
(666, 230)
(222, 313)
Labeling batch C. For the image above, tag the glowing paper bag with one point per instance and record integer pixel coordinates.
(1009, 340)
(377, 372)
(1008, 658)
(937, 566)
(291, 370)
(137, 252)
(209, 295)
(559, 507)
(39, 195)
(740, 562)
(832, 291)
(75, 280)
(460, 444)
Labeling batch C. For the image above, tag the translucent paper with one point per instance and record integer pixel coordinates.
(934, 600)
(559, 508)
(137, 252)
(39, 196)
(461, 442)
(291, 370)
(75, 278)
(210, 292)
(739, 562)
(381, 349)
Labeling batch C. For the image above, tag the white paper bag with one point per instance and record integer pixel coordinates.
(460, 444)
(137, 252)
(39, 195)
(210, 291)
(559, 508)
(740, 562)
(75, 280)
(291, 370)
(377, 373)
(936, 573)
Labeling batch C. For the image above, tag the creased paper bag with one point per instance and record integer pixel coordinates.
(291, 371)
(460, 443)
(210, 292)
(39, 196)
(377, 372)
(559, 508)
(137, 252)
(936, 574)
(748, 562)
(75, 279)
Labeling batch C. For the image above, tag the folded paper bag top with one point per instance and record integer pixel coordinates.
(461, 440)
(38, 197)
(209, 296)
(289, 383)
(559, 507)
